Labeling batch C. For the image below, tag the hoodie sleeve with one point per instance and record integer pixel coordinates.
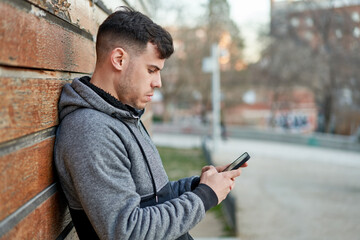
(99, 171)
(207, 195)
(185, 185)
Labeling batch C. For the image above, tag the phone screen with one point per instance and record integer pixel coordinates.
(238, 162)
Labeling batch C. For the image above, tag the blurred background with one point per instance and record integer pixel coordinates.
(286, 66)
(288, 93)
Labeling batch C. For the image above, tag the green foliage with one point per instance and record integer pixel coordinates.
(227, 230)
(157, 118)
(180, 163)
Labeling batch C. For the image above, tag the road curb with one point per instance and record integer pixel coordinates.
(229, 204)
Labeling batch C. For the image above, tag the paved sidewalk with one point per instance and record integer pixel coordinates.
(290, 191)
(210, 228)
(217, 238)
(295, 192)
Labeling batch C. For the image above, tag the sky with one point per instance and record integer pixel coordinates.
(251, 16)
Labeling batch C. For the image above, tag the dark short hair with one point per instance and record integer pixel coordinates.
(132, 30)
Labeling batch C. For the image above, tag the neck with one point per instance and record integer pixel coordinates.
(102, 79)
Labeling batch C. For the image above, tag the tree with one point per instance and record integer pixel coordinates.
(315, 46)
(184, 82)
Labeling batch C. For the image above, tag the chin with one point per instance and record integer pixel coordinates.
(140, 107)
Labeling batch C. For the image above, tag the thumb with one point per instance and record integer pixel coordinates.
(210, 169)
(233, 173)
(205, 168)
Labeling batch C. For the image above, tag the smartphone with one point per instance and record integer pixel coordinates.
(238, 162)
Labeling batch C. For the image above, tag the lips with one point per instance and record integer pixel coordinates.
(149, 96)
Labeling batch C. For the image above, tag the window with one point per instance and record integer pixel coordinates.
(356, 32)
(355, 16)
(308, 35)
(338, 33)
(295, 22)
(309, 22)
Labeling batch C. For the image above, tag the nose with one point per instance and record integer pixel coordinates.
(156, 82)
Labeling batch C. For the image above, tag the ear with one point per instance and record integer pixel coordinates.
(118, 58)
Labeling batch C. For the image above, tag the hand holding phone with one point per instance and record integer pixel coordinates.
(238, 162)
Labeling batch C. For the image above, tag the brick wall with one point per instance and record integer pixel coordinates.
(43, 45)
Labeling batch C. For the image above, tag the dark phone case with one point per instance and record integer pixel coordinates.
(240, 163)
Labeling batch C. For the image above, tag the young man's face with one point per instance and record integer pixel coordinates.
(140, 78)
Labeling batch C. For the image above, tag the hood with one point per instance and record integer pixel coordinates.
(78, 95)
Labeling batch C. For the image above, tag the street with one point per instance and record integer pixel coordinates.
(295, 192)
(290, 191)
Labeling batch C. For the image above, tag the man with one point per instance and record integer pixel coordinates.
(108, 167)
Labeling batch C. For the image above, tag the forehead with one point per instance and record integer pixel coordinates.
(150, 56)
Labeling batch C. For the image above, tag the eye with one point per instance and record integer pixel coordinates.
(151, 71)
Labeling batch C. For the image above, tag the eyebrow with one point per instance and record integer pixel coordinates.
(156, 67)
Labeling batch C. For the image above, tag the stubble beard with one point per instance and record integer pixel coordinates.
(126, 90)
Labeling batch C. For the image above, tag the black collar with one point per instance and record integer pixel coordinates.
(109, 98)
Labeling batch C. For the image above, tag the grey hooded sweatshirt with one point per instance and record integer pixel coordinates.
(112, 174)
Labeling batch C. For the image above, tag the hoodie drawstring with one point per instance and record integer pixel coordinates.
(146, 159)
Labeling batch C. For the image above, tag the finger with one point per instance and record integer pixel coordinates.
(244, 165)
(205, 168)
(233, 173)
(221, 168)
(210, 169)
(232, 185)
